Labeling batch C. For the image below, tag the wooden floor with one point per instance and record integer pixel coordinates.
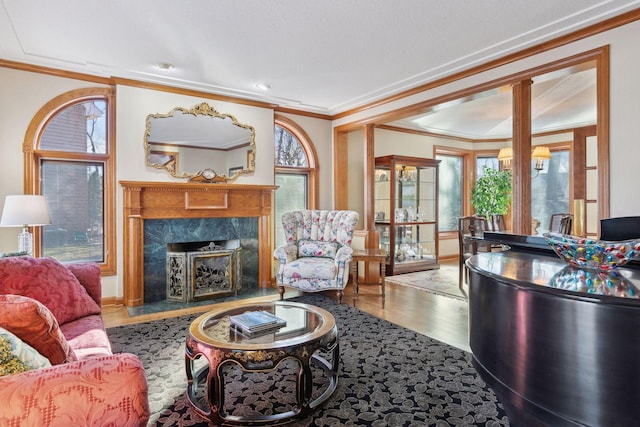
(439, 317)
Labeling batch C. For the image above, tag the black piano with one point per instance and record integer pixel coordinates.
(559, 346)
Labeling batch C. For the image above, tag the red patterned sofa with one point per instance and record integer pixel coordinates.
(54, 336)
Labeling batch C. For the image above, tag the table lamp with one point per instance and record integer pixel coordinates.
(25, 210)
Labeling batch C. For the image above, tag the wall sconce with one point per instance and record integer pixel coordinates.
(24, 211)
(504, 157)
(540, 153)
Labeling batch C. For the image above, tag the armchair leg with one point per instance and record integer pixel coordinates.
(340, 293)
(281, 292)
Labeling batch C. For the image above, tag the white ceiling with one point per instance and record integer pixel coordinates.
(560, 100)
(318, 56)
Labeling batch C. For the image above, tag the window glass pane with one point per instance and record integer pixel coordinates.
(79, 128)
(74, 192)
(490, 162)
(290, 196)
(449, 192)
(288, 150)
(550, 189)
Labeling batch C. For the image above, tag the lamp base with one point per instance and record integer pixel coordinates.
(25, 241)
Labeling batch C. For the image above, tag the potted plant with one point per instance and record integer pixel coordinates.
(492, 193)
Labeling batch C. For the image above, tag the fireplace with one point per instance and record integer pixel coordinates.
(199, 271)
(158, 213)
(165, 235)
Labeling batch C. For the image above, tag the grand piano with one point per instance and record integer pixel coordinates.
(559, 346)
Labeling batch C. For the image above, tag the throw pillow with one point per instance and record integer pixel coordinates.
(33, 323)
(315, 248)
(51, 283)
(27, 355)
(9, 362)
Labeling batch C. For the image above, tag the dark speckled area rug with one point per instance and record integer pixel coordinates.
(389, 376)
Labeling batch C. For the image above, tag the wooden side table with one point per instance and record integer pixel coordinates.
(369, 255)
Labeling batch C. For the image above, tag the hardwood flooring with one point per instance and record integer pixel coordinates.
(439, 317)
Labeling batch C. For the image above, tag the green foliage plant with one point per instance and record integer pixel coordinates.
(492, 193)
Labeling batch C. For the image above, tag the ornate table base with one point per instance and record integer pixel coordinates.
(206, 385)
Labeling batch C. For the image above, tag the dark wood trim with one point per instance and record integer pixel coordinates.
(604, 164)
(190, 92)
(521, 170)
(369, 184)
(340, 170)
(55, 72)
(302, 113)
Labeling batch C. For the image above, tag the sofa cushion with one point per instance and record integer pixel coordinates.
(51, 283)
(33, 323)
(315, 248)
(87, 337)
(14, 351)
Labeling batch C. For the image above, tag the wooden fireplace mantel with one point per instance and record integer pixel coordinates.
(167, 200)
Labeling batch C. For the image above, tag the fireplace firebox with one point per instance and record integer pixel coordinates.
(199, 271)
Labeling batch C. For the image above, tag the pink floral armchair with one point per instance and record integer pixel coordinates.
(318, 251)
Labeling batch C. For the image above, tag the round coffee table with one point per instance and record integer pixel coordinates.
(309, 329)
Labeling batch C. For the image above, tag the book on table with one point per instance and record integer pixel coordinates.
(253, 322)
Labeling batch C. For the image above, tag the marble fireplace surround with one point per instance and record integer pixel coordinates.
(165, 200)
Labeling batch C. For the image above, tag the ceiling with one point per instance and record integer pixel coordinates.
(323, 57)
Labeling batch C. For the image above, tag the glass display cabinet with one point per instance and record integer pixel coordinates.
(406, 212)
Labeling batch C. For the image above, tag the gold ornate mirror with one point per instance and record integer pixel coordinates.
(200, 144)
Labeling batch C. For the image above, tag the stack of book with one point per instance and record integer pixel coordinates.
(256, 322)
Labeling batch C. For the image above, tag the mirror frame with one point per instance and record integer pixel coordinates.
(202, 109)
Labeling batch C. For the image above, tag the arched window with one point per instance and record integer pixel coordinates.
(296, 170)
(69, 152)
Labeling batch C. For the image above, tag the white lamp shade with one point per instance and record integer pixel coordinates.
(25, 209)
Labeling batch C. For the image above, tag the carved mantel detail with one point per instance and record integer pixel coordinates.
(166, 200)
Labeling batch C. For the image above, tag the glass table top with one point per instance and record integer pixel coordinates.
(303, 323)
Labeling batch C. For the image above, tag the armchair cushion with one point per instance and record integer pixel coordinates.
(315, 248)
(51, 283)
(34, 324)
(311, 268)
(17, 356)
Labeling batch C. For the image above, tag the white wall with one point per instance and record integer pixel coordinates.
(24, 93)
